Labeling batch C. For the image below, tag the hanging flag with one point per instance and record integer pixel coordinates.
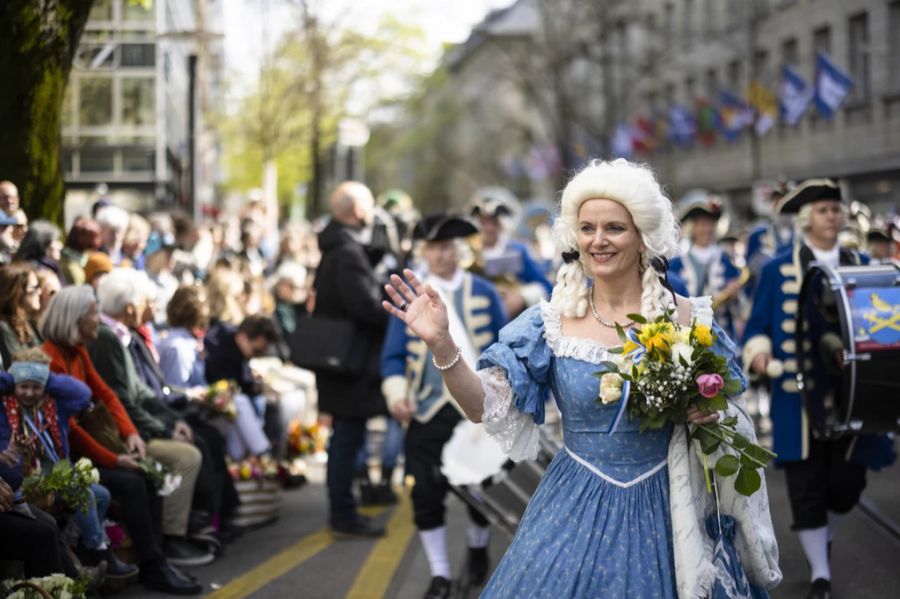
(643, 134)
(735, 115)
(832, 86)
(765, 104)
(794, 95)
(708, 121)
(682, 127)
(622, 144)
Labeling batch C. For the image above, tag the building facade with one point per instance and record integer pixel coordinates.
(131, 105)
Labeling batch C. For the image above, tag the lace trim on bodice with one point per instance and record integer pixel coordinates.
(593, 352)
(563, 346)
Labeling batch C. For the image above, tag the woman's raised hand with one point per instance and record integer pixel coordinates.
(419, 306)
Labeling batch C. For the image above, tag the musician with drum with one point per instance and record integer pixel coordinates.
(705, 267)
(825, 477)
(415, 392)
(506, 262)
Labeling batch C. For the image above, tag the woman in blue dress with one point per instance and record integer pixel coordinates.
(616, 515)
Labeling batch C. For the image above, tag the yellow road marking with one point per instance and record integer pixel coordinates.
(273, 568)
(281, 563)
(375, 575)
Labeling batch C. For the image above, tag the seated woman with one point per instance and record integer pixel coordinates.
(71, 319)
(182, 362)
(83, 238)
(35, 400)
(20, 303)
(169, 438)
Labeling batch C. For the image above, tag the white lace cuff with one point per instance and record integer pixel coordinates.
(516, 433)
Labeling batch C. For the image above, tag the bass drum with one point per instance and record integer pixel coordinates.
(848, 349)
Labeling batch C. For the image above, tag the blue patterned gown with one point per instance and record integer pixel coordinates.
(598, 524)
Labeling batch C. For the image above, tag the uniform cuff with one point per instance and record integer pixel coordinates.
(754, 346)
(394, 388)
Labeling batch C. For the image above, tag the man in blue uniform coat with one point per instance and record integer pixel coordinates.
(415, 391)
(824, 477)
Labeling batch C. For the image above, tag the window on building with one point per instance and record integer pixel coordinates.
(711, 83)
(690, 89)
(790, 52)
(97, 160)
(761, 66)
(138, 101)
(102, 10)
(137, 159)
(669, 24)
(95, 101)
(822, 40)
(894, 43)
(132, 11)
(687, 25)
(858, 31)
(735, 76)
(712, 18)
(138, 55)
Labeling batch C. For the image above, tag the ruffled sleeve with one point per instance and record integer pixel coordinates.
(515, 376)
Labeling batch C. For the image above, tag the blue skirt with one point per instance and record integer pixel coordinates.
(586, 535)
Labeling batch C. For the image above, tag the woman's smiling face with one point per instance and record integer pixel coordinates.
(609, 242)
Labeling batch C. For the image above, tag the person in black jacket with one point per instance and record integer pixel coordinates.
(346, 288)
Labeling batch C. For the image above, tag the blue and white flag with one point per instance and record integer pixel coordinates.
(622, 144)
(736, 115)
(794, 95)
(682, 126)
(832, 86)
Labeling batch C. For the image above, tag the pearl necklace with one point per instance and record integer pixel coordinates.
(606, 323)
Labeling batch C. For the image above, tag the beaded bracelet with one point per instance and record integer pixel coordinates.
(451, 364)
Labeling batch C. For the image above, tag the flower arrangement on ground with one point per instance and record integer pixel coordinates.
(304, 440)
(70, 484)
(58, 586)
(660, 371)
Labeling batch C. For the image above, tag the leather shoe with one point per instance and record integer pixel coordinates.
(478, 565)
(160, 576)
(439, 589)
(820, 589)
(180, 552)
(356, 528)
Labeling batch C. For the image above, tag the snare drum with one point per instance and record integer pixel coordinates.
(848, 349)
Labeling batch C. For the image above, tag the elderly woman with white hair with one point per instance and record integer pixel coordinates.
(123, 296)
(71, 320)
(113, 222)
(615, 515)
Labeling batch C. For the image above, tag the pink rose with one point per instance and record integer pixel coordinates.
(710, 384)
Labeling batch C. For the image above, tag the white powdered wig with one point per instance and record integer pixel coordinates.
(635, 187)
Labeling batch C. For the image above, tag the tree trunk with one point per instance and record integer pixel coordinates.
(39, 43)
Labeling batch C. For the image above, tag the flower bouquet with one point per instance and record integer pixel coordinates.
(219, 399)
(304, 440)
(660, 371)
(58, 586)
(160, 476)
(70, 484)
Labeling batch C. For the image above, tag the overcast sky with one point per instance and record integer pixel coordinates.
(252, 25)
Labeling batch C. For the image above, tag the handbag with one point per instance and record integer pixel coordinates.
(99, 424)
(328, 345)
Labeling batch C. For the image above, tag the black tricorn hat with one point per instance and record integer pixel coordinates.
(705, 207)
(876, 234)
(443, 226)
(811, 190)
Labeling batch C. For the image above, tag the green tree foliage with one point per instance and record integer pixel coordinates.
(39, 43)
(319, 72)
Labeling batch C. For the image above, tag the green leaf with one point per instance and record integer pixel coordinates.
(727, 465)
(719, 403)
(748, 481)
(621, 332)
(615, 350)
(608, 366)
(709, 444)
(732, 387)
(637, 318)
(740, 441)
(730, 421)
(683, 361)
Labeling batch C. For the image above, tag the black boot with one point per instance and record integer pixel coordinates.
(477, 565)
(820, 589)
(384, 494)
(439, 589)
(116, 569)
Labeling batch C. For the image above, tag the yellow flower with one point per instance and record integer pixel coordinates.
(658, 335)
(703, 335)
(629, 347)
